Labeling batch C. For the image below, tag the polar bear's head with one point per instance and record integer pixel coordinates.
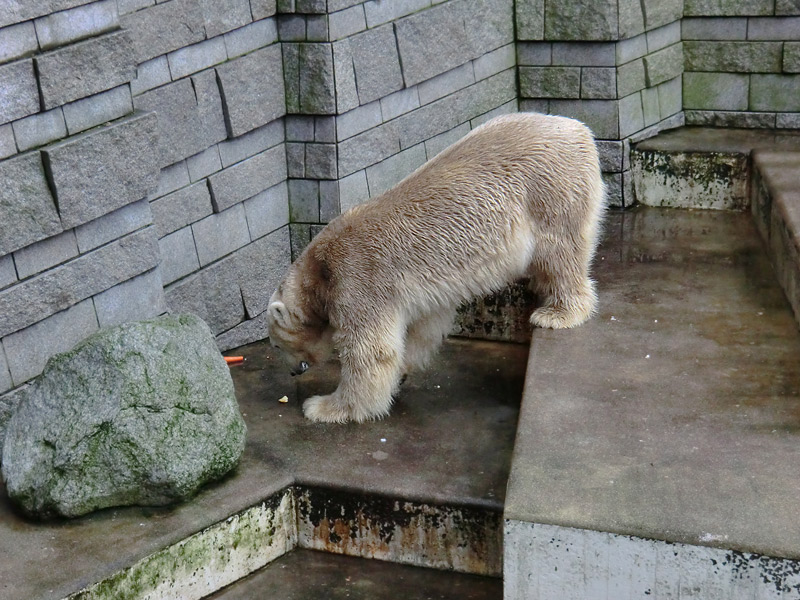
(302, 339)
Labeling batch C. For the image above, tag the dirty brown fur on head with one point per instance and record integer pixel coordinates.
(521, 195)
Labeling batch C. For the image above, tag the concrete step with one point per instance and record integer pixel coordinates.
(425, 487)
(308, 575)
(658, 448)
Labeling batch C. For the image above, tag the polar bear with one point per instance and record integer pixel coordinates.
(521, 195)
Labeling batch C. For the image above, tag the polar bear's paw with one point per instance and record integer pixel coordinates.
(564, 317)
(326, 409)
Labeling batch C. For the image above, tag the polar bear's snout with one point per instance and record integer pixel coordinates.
(300, 369)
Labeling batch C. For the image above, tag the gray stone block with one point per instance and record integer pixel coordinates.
(320, 161)
(583, 54)
(787, 7)
(438, 143)
(30, 301)
(791, 57)
(399, 103)
(150, 74)
(203, 164)
(491, 25)
(344, 77)
(262, 9)
(317, 28)
(267, 211)
(79, 70)
(8, 273)
(299, 128)
(611, 155)
(181, 208)
(122, 152)
(661, 12)
(251, 37)
(663, 65)
(345, 23)
(247, 178)
(494, 62)
(300, 236)
(129, 6)
(726, 8)
(45, 254)
(787, 120)
(100, 108)
(28, 350)
(194, 58)
(172, 178)
(433, 41)
(296, 159)
(134, 300)
(190, 117)
(250, 144)
(303, 201)
(631, 18)
(325, 129)
(446, 83)
(384, 175)
(61, 28)
(368, 148)
(631, 49)
(670, 97)
(213, 294)
(601, 116)
(8, 145)
(329, 205)
(164, 27)
(19, 96)
(39, 129)
(5, 384)
(246, 332)
(261, 266)
(662, 37)
(252, 90)
(530, 19)
(535, 55)
(358, 120)
(178, 255)
(631, 115)
(630, 77)
(17, 41)
(599, 83)
(714, 28)
(785, 28)
(715, 91)
(309, 76)
(734, 57)
(221, 17)
(113, 226)
(550, 82)
(775, 93)
(581, 21)
(737, 119)
(291, 28)
(353, 190)
(25, 201)
(376, 63)
(650, 107)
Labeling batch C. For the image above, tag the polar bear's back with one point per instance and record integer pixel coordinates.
(478, 207)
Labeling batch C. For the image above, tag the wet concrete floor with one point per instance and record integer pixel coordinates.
(309, 575)
(674, 414)
(447, 441)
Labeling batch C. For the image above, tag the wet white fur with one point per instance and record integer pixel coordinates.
(520, 195)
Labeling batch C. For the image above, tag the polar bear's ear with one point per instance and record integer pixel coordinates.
(279, 313)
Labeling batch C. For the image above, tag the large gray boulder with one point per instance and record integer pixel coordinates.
(143, 413)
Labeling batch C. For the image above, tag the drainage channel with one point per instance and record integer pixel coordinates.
(465, 539)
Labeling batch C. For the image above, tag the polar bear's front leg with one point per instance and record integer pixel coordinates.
(370, 373)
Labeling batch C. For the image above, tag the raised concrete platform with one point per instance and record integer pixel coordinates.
(658, 447)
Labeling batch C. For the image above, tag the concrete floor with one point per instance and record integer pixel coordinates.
(674, 414)
(309, 575)
(447, 441)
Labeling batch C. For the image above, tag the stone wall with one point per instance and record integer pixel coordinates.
(742, 63)
(174, 155)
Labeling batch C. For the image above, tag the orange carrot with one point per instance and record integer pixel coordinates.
(233, 360)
